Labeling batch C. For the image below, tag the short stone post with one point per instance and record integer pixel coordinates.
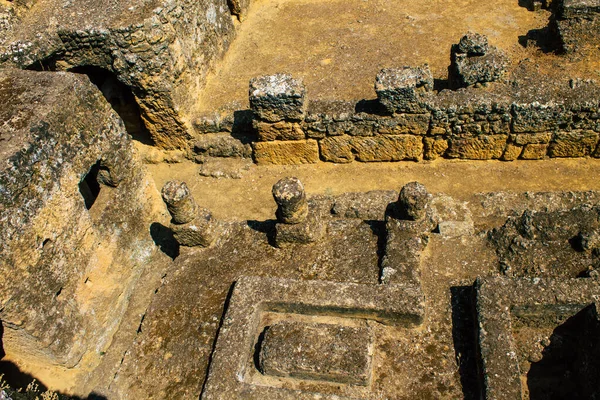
(400, 90)
(292, 207)
(191, 224)
(407, 230)
(295, 222)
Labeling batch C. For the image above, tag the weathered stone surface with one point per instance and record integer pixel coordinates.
(474, 61)
(179, 200)
(414, 124)
(568, 9)
(398, 89)
(337, 149)
(366, 206)
(334, 353)
(310, 230)
(282, 130)
(149, 46)
(289, 194)
(538, 117)
(484, 147)
(535, 151)
(573, 144)
(277, 97)
(540, 243)
(434, 147)
(504, 306)
(201, 231)
(286, 152)
(470, 70)
(233, 374)
(473, 44)
(388, 148)
(239, 7)
(512, 152)
(413, 201)
(222, 145)
(76, 205)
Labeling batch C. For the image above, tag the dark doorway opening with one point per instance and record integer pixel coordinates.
(89, 187)
(121, 99)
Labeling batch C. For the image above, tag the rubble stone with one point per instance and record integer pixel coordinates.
(179, 200)
(413, 201)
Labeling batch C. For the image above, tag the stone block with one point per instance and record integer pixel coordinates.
(509, 311)
(222, 145)
(399, 89)
(387, 148)
(512, 152)
(470, 70)
(281, 130)
(308, 231)
(473, 44)
(317, 351)
(258, 304)
(434, 147)
(337, 149)
(532, 138)
(573, 144)
(483, 147)
(569, 9)
(286, 152)
(278, 97)
(534, 151)
(201, 231)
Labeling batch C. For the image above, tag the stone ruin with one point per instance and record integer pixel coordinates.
(283, 266)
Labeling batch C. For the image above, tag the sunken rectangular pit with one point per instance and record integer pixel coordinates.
(539, 339)
(286, 339)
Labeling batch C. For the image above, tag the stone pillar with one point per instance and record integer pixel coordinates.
(400, 90)
(289, 195)
(179, 201)
(296, 223)
(191, 224)
(407, 231)
(413, 201)
(278, 103)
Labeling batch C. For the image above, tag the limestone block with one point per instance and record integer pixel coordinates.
(434, 147)
(469, 70)
(399, 89)
(534, 151)
(201, 231)
(532, 138)
(281, 130)
(286, 152)
(512, 152)
(388, 148)
(308, 231)
(278, 97)
(483, 147)
(317, 351)
(222, 145)
(573, 144)
(337, 149)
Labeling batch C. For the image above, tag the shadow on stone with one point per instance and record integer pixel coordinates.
(267, 227)
(164, 239)
(464, 336)
(121, 98)
(15, 378)
(542, 38)
(258, 348)
(2, 353)
(370, 107)
(242, 126)
(378, 229)
(214, 343)
(570, 364)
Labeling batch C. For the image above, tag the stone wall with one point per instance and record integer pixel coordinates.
(76, 206)
(162, 50)
(409, 121)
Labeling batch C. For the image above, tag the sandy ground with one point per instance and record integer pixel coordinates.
(250, 198)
